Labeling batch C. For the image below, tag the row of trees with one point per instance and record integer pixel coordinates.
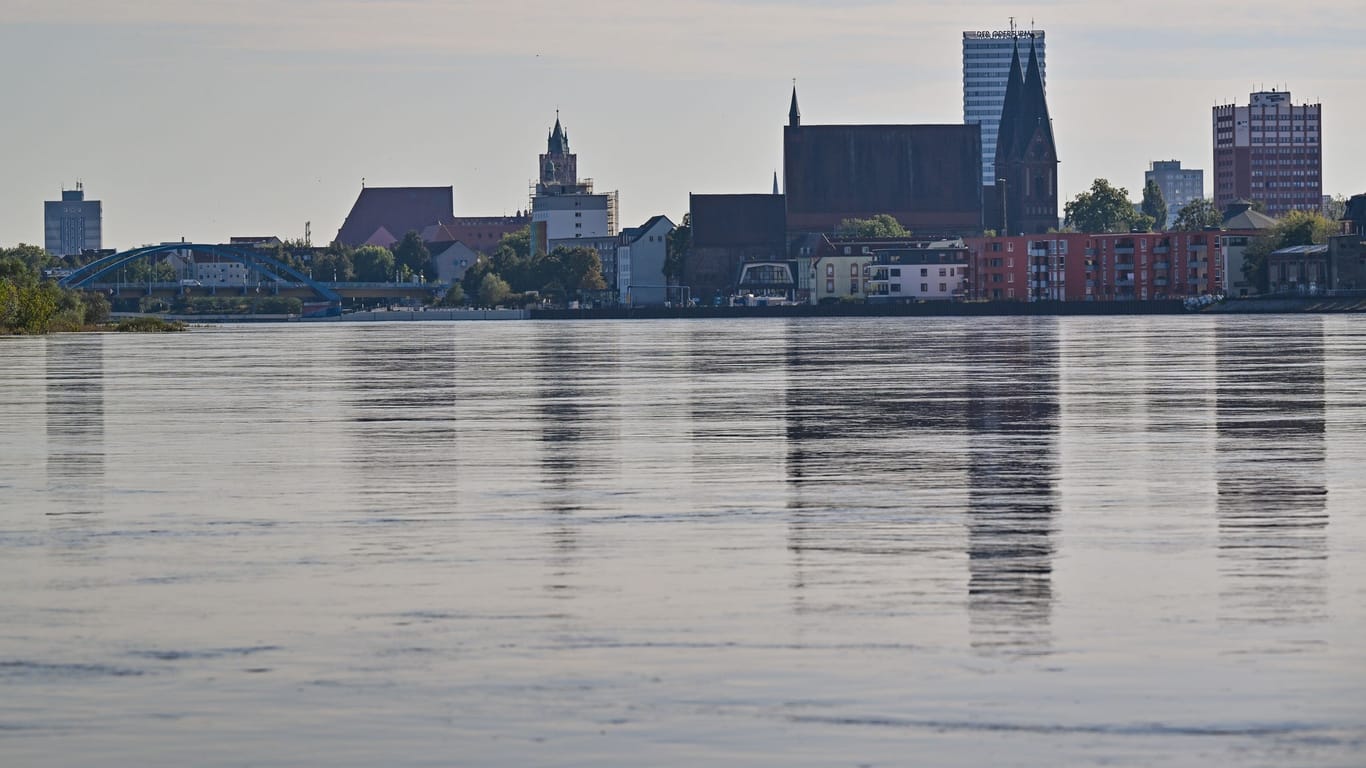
(30, 304)
(369, 263)
(563, 274)
(1106, 208)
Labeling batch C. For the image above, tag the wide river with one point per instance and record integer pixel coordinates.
(873, 542)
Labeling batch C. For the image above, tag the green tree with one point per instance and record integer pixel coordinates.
(1336, 208)
(677, 248)
(1197, 215)
(373, 264)
(579, 269)
(454, 296)
(1102, 208)
(1295, 228)
(474, 276)
(881, 225)
(1154, 204)
(333, 265)
(492, 290)
(412, 253)
(519, 241)
(33, 258)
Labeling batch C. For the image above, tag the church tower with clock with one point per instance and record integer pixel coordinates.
(559, 166)
(565, 211)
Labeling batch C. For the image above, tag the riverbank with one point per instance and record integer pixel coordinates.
(1281, 305)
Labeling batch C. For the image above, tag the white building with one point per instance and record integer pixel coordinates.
(563, 207)
(938, 272)
(1180, 186)
(216, 272)
(640, 259)
(986, 64)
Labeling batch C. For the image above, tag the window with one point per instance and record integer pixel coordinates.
(896, 272)
(924, 273)
(943, 288)
(896, 287)
(853, 285)
(853, 270)
(924, 287)
(830, 285)
(942, 272)
(829, 270)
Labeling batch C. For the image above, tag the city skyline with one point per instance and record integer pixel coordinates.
(211, 119)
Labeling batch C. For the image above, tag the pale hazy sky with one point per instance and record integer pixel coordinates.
(205, 119)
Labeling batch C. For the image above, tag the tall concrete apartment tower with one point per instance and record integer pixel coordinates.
(1180, 186)
(1270, 151)
(986, 65)
(72, 224)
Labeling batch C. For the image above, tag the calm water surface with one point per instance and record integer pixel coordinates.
(964, 542)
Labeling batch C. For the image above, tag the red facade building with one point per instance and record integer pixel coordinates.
(1073, 266)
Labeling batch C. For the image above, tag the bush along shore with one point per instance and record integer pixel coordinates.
(30, 305)
(149, 325)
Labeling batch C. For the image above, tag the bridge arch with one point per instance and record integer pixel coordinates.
(255, 260)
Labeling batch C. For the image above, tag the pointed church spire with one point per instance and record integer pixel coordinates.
(1036, 103)
(775, 183)
(1008, 127)
(558, 143)
(794, 115)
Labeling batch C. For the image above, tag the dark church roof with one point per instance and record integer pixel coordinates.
(397, 210)
(794, 115)
(928, 177)
(737, 220)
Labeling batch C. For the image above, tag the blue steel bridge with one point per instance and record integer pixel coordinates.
(268, 274)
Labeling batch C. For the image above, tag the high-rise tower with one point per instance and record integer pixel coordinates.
(1269, 151)
(986, 63)
(72, 224)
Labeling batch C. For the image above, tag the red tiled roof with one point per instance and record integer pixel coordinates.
(396, 209)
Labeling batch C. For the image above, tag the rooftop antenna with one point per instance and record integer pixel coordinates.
(308, 234)
(1012, 26)
(362, 182)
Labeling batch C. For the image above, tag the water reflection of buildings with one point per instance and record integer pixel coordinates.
(1012, 464)
(1270, 465)
(905, 453)
(75, 424)
(401, 418)
(563, 417)
(875, 480)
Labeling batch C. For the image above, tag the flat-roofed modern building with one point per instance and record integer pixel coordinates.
(986, 67)
(1180, 186)
(72, 224)
(1269, 151)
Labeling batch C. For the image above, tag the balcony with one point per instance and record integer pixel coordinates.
(1124, 266)
(1161, 249)
(1124, 250)
(1160, 281)
(1124, 282)
(1162, 265)
(1090, 252)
